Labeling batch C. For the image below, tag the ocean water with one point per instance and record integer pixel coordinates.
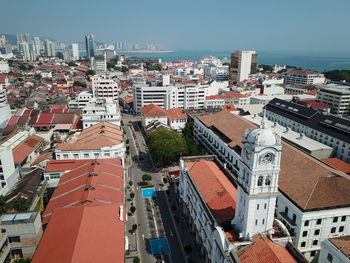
(306, 60)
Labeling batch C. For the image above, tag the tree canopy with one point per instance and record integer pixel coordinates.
(167, 146)
(156, 66)
(338, 75)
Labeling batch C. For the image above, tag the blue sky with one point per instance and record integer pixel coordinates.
(299, 25)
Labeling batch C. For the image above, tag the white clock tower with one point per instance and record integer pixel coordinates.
(258, 181)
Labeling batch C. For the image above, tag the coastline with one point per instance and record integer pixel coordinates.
(146, 51)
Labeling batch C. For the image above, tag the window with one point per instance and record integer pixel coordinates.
(343, 218)
(286, 210)
(265, 206)
(329, 258)
(317, 232)
(306, 223)
(304, 233)
(335, 219)
(260, 181)
(341, 228)
(333, 230)
(263, 221)
(319, 221)
(313, 253)
(268, 180)
(257, 207)
(256, 222)
(303, 244)
(14, 239)
(294, 218)
(86, 155)
(315, 242)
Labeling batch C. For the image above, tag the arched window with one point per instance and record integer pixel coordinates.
(260, 180)
(268, 180)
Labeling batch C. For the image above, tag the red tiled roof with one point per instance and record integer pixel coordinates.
(231, 94)
(107, 186)
(88, 234)
(314, 104)
(229, 107)
(219, 193)
(26, 112)
(63, 118)
(13, 120)
(263, 250)
(152, 110)
(175, 114)
(41, 158)
(45, 119)
(215, 97)
(21, 151)
(338, 164)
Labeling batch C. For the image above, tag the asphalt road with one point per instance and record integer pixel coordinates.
(136, 170)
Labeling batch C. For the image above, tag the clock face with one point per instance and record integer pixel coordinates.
(267, 158)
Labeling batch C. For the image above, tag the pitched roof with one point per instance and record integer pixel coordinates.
(333, 126)
(338, 164)
(152, 110)
(343, 244)
(92, 183)
(41, 157)
(44, 120)
(218, 192)
(175, 114)
(63, 165)
(88, 234)
(63, 118)
(103, 134)
(263, 250)
(21, 151)
(307, 181)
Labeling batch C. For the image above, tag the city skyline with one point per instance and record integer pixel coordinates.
(237, 25)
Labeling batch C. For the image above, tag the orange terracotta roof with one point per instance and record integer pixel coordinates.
(87, 234)
(41, 157)
(219, 193)
(175, 114)
(23, 150)
(104, 134)
(263, 250)
(152, 110)
(215, 97)
(338, 164)
(228, 107)
(105, 179)
(314, 191)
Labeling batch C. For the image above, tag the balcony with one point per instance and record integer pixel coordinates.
(287, 219)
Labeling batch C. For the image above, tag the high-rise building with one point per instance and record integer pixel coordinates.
(75, 51)
(243, 63)
(103, 87)
(19, 38)
(90, 45)
(37, 48)
(50, 50)
(27, 51)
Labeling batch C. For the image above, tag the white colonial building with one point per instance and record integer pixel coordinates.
(313, 201)
(335, 250)
(100, 110)
(103, 140)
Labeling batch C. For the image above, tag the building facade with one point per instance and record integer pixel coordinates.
(243, 63)
(104, 87)
(302, 77)
(90, 45)
(337, 96)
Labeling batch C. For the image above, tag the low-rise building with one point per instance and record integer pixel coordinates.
(335, 250)
(303, 77)
(103, 140)
(337, 96)
(104, 87)
(176, 119)
(100, 110)
(152, 113)
(9, 174)
(327, 129)
(20, 235)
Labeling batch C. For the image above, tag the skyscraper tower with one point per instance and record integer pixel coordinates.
(90, 45)
(243, 63)
(257, 187)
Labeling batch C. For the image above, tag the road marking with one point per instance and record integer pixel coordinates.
(143, 236)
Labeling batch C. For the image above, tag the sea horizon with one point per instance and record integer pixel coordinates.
(309, 60)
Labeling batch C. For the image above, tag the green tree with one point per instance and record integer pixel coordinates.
(132, 209)
(20, 204)
(79, 84)
(90, 72)
(146, 177)
(22, 260)
(72, 64)
(132, 195)
(22, 67)
(136, 260)
(134, 227)
(166, 146)
(131, 183)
